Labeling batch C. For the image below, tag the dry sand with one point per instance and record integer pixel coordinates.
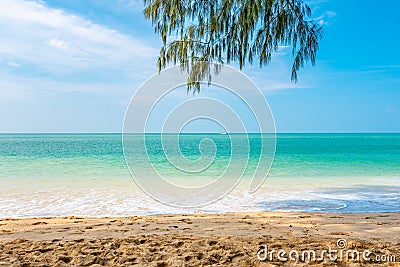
(231, 239)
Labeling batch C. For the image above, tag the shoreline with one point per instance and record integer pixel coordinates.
(198, 212)
(231, 239)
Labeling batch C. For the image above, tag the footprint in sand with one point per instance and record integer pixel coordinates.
(19, 241)
(383, 223)
(339, 233)
(39, 223)
(186, 221)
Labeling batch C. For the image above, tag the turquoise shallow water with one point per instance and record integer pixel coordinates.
(86, 174)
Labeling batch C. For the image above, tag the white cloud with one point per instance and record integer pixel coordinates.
(58, 43)
(135, 5)
(326, 18)
(50, 58)
(330, 14)
(52, 39)
(387, 67)
(13, 64)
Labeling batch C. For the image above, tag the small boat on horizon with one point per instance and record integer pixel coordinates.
(223, 132)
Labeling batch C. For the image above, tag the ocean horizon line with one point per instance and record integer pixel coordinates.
(198, 133)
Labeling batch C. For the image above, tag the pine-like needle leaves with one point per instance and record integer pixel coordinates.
(224, 31)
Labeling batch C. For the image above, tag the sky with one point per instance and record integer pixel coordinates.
(73, 66)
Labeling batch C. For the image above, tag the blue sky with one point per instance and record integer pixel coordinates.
(72, 66)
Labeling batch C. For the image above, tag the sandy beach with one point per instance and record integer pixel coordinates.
(231, 239)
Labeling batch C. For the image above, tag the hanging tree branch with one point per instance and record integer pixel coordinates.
(225, 31)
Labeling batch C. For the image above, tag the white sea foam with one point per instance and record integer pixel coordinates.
(123, 198)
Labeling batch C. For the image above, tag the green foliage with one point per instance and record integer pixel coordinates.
(195, 32)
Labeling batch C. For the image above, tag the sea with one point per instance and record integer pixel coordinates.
(87, 174)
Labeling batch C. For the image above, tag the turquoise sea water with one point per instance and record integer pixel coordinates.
(86, 174)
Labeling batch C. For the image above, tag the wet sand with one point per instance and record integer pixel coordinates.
(231, 239)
